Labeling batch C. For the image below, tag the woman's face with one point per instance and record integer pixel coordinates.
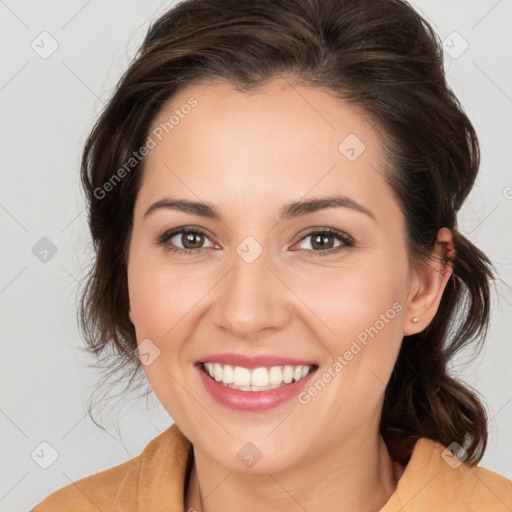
(252, 280)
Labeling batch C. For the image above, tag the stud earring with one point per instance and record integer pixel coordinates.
(414, 320)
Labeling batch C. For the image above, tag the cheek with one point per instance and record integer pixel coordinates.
(162, 303)
(161, 298)
(350, 301)
(360, 325)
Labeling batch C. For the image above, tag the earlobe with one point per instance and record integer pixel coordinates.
(430, 283)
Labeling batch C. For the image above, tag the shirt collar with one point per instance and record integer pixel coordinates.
(432, 480)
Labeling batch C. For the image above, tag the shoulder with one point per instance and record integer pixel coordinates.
(114, 488)
(94, 492)
(489, 491)
(472, 487)
(435, 479)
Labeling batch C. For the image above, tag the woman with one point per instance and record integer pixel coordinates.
(273, 193)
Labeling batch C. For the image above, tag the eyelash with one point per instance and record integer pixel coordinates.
(347, 241)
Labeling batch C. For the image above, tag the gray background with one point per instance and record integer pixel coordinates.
(48, 106)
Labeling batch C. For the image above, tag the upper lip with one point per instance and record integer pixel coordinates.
(254, 361)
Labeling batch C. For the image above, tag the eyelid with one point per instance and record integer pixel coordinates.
(346, 240)
(164, 238)
(324, 229)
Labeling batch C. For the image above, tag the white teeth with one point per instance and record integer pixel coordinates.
(217, 371)
(275, 375)
(241, 376)
(288, 374)
(257, 379)
(227, 374)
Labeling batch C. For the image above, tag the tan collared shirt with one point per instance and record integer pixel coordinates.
(154, 481)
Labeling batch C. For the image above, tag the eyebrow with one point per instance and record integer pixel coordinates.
(288, 211)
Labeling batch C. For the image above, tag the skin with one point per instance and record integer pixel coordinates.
(248, 155)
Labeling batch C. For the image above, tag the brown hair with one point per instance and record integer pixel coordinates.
(383, 58)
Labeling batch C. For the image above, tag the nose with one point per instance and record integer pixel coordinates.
(252, 301)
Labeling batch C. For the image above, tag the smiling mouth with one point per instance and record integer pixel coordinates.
(256, 379)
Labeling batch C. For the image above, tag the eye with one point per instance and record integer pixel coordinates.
(192, 240)
(323, 241)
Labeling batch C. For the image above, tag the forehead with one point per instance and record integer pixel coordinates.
(282, 141)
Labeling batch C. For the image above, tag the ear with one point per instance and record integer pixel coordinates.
(130, 316)
(428, 284)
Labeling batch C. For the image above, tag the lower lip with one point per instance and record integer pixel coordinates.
(252, 400)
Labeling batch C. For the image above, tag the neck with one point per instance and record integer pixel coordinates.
(359, 477)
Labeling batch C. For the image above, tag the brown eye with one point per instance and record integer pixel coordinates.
(321, 241)
(192, 240)
(326, 241)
